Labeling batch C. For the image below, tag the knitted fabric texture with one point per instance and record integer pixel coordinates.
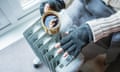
(104, 26)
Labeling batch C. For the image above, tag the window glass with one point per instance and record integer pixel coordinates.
(26, 4)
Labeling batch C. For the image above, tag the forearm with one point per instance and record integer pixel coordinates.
(103, 27)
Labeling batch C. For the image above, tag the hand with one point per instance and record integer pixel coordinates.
(75, 41)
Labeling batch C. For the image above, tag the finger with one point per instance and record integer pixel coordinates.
(65, 40)
(76, 53)
(66, 33)
(65, 54)
(59, 51)
(67, 45)
(51, 25)
(71, 49)
(57, 45)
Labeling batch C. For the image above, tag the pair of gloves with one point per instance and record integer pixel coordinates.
(76, 40)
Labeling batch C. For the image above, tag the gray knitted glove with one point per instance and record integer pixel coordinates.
(76, 40)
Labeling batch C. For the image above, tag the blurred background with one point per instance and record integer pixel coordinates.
(15, 53)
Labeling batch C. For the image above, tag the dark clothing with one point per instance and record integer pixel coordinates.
(114, 66)
(105, 46)
(114, 48)
(111, 44)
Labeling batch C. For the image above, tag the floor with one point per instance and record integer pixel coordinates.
(18, 57)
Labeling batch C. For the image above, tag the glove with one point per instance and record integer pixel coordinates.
(42, 5)
(76, 40)
(55, 5)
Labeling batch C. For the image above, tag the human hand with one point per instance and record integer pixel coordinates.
(75, 41)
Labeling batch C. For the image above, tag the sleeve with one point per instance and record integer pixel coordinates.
(113, 3)
(104, 26)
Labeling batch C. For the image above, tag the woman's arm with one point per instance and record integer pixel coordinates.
(104, 26)
(92, 31)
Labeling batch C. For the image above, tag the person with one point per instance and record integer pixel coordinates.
(83, 9)
(95, 30)
(73, 17)
(78, 13)
(55, 5)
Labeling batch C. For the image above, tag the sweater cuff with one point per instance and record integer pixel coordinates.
(104, 26)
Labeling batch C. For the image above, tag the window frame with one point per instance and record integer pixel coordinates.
(26, 14)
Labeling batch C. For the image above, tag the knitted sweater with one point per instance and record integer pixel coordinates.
(104, 26)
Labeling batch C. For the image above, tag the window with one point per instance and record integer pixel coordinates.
(4, 22)
(26, 4)
(16, 12)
